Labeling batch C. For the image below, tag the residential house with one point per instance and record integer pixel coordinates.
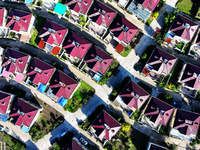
(142, 9)
(190, 79)
(159, 64)
(97, 62)
(39, 74)
(24, 114)
(157, 113)
(181, 32)
(153, 146)
(122, 3)
(76, 46)
(195, 47)
(100, 18)
(61, 88)
(104, 127)
(3, 29)
(20, 24)
(15, 64)
(73, 144)
(52, 37)
(121, 33)
(78, 8)
(132, 96)
(5, 104)
(184, 125)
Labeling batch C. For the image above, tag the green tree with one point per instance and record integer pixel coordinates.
(168, 96)
(155, 15)
(126, 127)
(144, 56)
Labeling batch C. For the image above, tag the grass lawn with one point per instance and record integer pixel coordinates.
(118, 88)
(133, 139)
(189, 7)
(80, 97)
(48, 120)
(111, 69)
(11, 142)
(126, 51)
(40, 21)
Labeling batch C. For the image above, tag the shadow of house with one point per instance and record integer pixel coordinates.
(194, 8)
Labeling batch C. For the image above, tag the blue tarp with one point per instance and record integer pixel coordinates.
(170, 35)
(97, 77)
(41, 87)
(25, 129)
(4, 117)
(62, 101)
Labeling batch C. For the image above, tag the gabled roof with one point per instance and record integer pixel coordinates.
(18, 20)
(2, 11)
(39, 71)
(150, 4)
(15, 61)
(62, 85)
(23, 113)
(191, 76)
(184, 27)
(4, 102)
(76, 46)
(102, 14)
(98, 60)
(153, 146)
(73, 145)
(79, 6)
(158, 111)
(124, 30)
(133, 95)
(162, 61)
(53, 33)
(186, 122)
(105, 126)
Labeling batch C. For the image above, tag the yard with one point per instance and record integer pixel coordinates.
(189, 7)
(40, 21)
(111, 69)
(11, 142)
(80, 97)
(133, 139)
(49, 119)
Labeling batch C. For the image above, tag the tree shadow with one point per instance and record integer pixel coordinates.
(195, 7)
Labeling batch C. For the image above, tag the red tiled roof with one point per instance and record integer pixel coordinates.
(41, 44)
(145, 71)
(40, 71)
(150, 4)
(18, 20)
(62, 85)
(23, 113)
(133, 95)
(79, 6)
(73, 145)
(102, 14)
(55, 50)
(4, 102)
(105, 126)
(162, 61)
(186, 122)
(76, 46)
(2, 10)
(124, 30)
(119, 48)
(158, 111)
(184, 27)
(191, 76)
(98, 60)
(15, 61)
(53, 33)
